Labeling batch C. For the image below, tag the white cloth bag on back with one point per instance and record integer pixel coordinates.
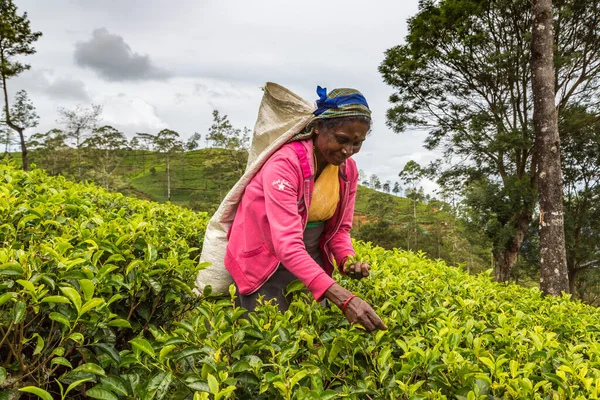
(281, 115)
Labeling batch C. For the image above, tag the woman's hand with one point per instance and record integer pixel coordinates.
(357, 310)
(357, 269)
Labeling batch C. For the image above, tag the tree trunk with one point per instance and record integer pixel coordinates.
(24, 158)
(19, 129)
(505, 258)
(78, 156)
(554, 277)
(168, 178)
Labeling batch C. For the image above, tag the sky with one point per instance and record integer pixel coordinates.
(154, 64)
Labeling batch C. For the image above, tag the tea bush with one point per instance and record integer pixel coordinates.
(451, 336)
(83, 272)
(95, 302)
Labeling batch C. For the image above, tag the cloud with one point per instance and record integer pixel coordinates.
(45, 82)
(113, 60)
(131, 115)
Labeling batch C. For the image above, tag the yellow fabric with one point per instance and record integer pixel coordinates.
(326, 195)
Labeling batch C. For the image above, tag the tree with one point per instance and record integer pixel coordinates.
(374, 181)
(23, 114)
(193, 142)
(78, 123)
(235, 141)
(411, 175)
(106, 147)
(362, 176)
(167, 143)
(146, 142)
(5, 137)
(16, 40)
(554, 277)
(386, 186)
(580, 148)
(396, 190)
(464, 75)
(50, 150)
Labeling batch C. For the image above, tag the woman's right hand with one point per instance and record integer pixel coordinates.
(360, 312)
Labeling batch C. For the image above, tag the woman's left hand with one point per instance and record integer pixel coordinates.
(357, 270)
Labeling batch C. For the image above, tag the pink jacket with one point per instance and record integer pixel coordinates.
(271, 217)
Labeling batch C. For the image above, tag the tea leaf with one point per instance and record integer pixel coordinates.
(41, 393)
(61, 361)
(91, 304)
(101, 394)
(120, 323)
(76, 383)
(213, 384)
(87, 287)
(55, 299)
(143, 345)
(73, 296)
(19, 311)
(90, 368)
(60, 318)
(6, 297)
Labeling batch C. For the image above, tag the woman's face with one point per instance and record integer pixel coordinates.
(336, 145)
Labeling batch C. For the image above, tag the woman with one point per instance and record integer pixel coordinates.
(294, 218)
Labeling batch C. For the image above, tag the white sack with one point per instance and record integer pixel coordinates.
(281, 115)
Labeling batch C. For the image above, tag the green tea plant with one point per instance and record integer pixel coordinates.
(96, 302)
(451, 336)
(82, 273)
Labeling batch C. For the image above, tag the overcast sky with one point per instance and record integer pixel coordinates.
(154, 64)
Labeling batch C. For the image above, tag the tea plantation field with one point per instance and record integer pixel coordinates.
(96, 302)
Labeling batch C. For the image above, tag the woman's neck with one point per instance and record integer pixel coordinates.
(319, 161)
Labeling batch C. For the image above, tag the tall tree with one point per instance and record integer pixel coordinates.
(411, 175)
(374, 181)
(386, 186)
(145, 143)
(16, 40)
(193, 142)
(235, 142)
(167, 142)
(396, 190)
(50, 151)
(5, 137)
(464, 75)
(78, 123)
(580, 148)
(106, 147)
(22, 114)
(554, 277)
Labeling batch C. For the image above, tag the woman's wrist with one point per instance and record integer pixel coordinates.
(337, 295)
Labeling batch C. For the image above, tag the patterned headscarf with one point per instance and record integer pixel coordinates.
(337, 104)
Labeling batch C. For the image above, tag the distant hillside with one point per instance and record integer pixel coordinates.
(197, 181)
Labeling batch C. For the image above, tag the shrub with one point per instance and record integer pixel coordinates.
(451, 335)
(83, 272)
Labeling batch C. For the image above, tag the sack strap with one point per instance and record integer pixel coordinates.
(301, 152)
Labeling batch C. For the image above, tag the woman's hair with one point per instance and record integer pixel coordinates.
(333, 123)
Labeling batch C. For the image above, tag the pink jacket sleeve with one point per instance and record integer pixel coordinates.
(282, 178)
